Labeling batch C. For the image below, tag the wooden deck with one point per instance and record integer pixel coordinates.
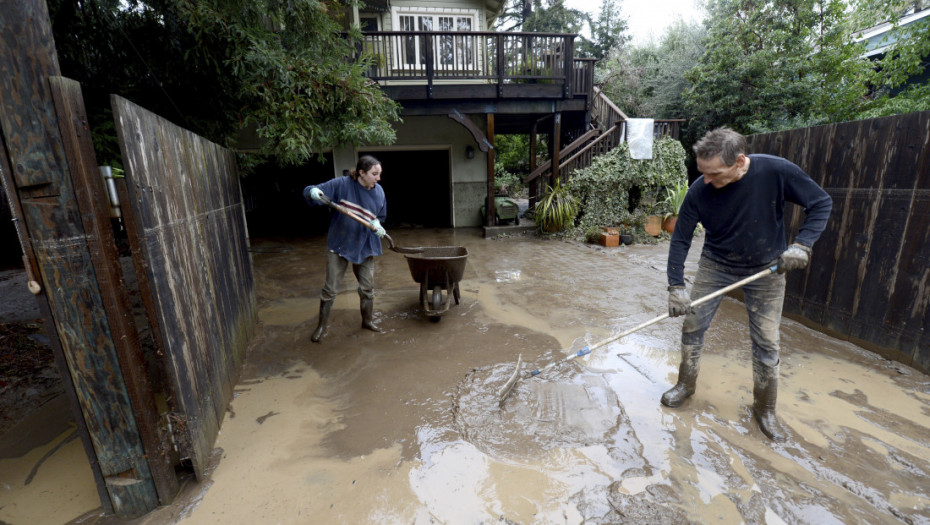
(479, 71)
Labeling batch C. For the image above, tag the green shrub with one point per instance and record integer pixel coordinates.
(557, 209)
(506, 183)
(619, 191)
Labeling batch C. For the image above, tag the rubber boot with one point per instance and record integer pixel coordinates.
(765, 393)
(368, 318)
(687, 376)
(325, 308)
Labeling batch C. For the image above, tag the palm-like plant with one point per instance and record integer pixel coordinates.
(557, 210)
(675, 197)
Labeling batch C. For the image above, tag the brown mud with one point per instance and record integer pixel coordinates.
(405, 426)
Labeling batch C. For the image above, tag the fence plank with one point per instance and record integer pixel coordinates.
(48, 201)
(889, 205)
(194, 240)
(94, 204)
(869, 277)
(909, 303)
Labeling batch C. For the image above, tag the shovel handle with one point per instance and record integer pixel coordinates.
(346, 211)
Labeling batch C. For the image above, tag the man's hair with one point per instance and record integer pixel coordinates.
(724, 142)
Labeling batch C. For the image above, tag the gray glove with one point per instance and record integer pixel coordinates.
(794, 258)
(316, 194)
(379, 230)
(679, 301)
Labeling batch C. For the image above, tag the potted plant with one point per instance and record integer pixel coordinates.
(674, 197)
(557, 210)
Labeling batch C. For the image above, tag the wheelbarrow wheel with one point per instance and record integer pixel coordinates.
(437, 303)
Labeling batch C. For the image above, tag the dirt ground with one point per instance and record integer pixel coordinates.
(404, 427)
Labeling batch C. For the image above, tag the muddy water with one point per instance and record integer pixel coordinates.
(405, 427)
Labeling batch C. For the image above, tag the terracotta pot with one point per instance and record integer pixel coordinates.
(653, 225)
(669, 223)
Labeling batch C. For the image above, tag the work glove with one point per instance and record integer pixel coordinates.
(378, 229)
(794, 258)
(679, 301)
(316, 194)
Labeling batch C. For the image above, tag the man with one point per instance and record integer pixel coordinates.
(348, 242)
(740, 201)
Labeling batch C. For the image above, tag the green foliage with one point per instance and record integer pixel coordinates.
(607, 29)
(913, 99)
(506, 183)
(301, 88)
(648, 80)
(675, 196)
(511, 153)
(619, 191)
(278, 67)
(557, 209)
(780, 61)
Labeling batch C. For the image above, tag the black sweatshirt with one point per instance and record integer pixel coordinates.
(744, 220)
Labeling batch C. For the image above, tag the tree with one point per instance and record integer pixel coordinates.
(280, 67)
(554, 17)
(776, 65)
(648, 80)
(607, 31)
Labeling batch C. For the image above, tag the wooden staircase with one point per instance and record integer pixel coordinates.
(606, 131)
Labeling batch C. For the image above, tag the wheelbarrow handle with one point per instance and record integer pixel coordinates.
(346, 211)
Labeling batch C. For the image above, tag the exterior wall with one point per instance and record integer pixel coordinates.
(387, 23)
(469, 176)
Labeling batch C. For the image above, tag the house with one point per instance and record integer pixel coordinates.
(459, 86)
(879, 39)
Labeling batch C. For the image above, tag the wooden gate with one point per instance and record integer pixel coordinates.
(184, 214)
(869, 278)
(187, 231)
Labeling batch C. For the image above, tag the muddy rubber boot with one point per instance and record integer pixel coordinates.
(368, 318)
(325, 308)
(765, 393)
(687, 377)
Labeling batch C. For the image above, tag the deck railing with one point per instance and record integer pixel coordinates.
(501, 58)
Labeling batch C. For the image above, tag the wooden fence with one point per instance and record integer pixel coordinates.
(186, 227)
(184, 214)
(869, 278)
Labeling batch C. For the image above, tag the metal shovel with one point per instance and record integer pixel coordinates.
(346, 211)
(512, 382)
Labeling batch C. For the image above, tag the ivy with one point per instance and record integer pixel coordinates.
(619, 191)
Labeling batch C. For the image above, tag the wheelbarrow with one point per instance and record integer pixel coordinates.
(438, 269)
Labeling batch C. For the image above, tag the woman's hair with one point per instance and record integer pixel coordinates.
(365, 163)
(724, 142)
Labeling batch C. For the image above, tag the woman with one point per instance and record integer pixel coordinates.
(349, 241)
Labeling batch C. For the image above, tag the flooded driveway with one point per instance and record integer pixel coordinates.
(404, 427)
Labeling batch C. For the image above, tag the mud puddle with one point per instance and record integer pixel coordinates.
(405, 426)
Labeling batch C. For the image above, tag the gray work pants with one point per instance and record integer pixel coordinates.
(336, 270)
(764, 300)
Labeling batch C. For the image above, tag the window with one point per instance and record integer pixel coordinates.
(368, 23)
(451, 52)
